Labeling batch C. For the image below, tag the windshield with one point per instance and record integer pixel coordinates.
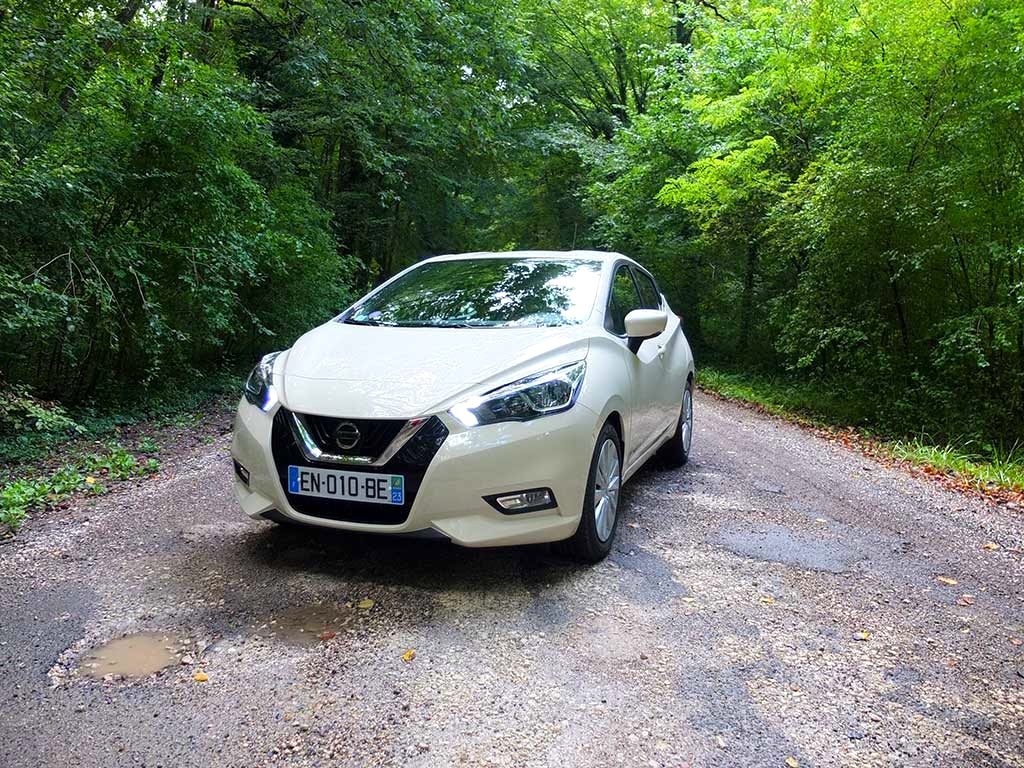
(486, 293)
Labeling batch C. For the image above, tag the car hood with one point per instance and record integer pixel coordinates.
(386, 372)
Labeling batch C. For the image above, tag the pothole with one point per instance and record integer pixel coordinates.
(138, 655)
(307, 624)
(781, 545)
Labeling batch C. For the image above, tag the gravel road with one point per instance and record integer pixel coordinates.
(779, 601)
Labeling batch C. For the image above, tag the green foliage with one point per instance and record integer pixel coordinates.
(786, 396)
(180, 182)
(828, 191)
(986, 464)
(170, 401)
(845, 186)
(20, 412)
(21, 496)
(723, 191)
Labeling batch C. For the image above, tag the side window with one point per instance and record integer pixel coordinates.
(649, 296)
(623, 300)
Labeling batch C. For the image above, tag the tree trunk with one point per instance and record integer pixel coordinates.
(897, 300)
(124, 17)
(682, 30)
(747, 303)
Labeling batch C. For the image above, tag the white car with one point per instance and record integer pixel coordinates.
(490, 398)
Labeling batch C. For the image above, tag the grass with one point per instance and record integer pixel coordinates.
(1003, 468)
(979, 464)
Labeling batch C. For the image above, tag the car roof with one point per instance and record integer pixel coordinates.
(581, 255)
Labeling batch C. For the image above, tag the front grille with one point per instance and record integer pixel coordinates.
(412, 462)
(374, 434)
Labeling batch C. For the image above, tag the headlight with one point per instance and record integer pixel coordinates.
(259, 387)
(540, 394)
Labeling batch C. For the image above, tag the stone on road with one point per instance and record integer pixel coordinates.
(777, 601)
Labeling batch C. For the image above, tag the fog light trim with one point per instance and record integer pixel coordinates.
(521, 502)
(241, 472)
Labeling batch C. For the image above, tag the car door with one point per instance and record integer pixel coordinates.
(646, 368)
(668, 376)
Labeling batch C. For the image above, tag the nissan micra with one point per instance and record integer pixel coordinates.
(489, 398)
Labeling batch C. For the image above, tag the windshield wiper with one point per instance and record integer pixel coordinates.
(453, 324)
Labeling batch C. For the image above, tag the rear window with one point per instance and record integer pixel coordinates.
(487, 293)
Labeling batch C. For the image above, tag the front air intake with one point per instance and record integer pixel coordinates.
(411, 462)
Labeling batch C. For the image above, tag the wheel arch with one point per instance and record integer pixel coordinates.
(615, 419)
(615, 411)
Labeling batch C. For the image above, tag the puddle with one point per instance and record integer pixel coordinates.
(138, 655)
(304, 624)
(781, 545)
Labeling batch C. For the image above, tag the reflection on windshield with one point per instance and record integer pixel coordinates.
(495, 292)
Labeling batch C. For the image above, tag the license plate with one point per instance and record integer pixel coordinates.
(347, 486)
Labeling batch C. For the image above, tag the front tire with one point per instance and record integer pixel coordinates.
(676, 452)
(594, 536)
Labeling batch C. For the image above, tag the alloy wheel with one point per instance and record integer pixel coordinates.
(686, 428)
(607, 482)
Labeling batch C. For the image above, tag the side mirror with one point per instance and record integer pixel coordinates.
(642, 324)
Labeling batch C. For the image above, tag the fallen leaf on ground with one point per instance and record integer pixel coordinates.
(792, 762)
(991, 546)
(966, 600)
(820, 520)
(327, 634)
(365, 605)
(200, 677)
(767, 599)
(408, 655)
(861, 635)
(1017, 641)
(949, 582)
(90, 480)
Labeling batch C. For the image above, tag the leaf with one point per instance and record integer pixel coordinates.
(1017, 641)
(408, 655)
(949, 582)
(365, 604)
(792, 762)
(862, 636)
(327, 634)
(200, 677)
(767, 600)
(966, 600)
(90, 480)
(991, 546)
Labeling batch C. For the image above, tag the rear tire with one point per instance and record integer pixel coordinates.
(676, 452)
(600, 516)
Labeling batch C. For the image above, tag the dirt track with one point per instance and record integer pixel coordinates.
(723, 631)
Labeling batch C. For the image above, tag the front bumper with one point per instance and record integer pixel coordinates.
(552, 452)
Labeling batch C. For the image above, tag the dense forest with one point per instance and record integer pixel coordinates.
(831, 190)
